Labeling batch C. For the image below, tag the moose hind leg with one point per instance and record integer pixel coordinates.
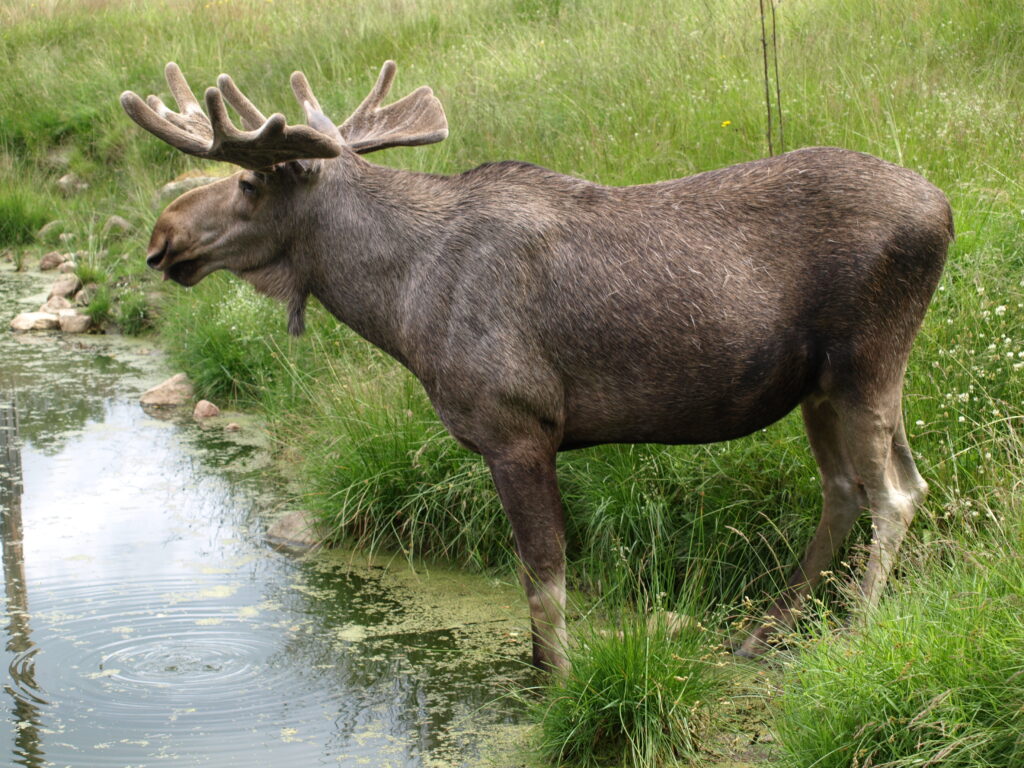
(843, 499)
(528, 488)
(881, 456)
(910, 477)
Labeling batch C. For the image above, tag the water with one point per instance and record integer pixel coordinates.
(147, 624)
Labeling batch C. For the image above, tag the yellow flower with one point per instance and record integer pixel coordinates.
(726, 123)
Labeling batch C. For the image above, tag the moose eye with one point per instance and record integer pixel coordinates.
(247, 187)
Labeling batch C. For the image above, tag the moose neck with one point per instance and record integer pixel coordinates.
(376, 228)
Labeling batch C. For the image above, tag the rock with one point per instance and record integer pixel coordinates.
(55, 304)
(179, 186)
(67, 267)
(177, 390)
(205, 410)
(86, 295)
(673, 622)
(296, 531)
(70, 184)
(116, 226)
(233, 427)
(73, 321)
(66, 285)
(34, 321)
(58, 158)
(50, 233)
(52, 260)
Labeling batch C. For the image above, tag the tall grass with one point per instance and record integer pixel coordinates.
(644, 694)
(618, 92)
(936, 678)
(22, 213)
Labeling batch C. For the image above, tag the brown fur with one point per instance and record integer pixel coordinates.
(543, 312)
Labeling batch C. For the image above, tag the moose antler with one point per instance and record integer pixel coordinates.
(263, 143)
(413, 120)
(416, 119)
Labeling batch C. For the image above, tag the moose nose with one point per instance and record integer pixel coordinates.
(154, 258)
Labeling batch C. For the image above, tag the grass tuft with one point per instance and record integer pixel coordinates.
(99, 308)
(132, 315)
(22, 213)
(643, 694)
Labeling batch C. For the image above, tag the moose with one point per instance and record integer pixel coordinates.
(543, 312)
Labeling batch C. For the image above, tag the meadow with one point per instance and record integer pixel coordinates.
(620, 93)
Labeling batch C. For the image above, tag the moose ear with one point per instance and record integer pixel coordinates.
(302, 169)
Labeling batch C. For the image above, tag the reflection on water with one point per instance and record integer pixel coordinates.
(146, 624)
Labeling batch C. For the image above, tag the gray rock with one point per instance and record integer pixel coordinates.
(58, 158)
(50, 233)
(55, 304)
(173, 189)
(67, 267)
(70, 184)
(66, 285)
(72, 321)
(176, 390)
(34, 321)
(205, 410)
(86, 295)
(297, 531)
(52, 260)
(116, 226)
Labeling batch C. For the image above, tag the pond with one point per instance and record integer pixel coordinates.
(147, 623)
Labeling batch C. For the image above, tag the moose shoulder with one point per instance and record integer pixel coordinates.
(542, 312)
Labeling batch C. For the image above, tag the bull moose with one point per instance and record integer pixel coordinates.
(543, 312)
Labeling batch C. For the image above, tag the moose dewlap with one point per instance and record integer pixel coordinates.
(543, 312)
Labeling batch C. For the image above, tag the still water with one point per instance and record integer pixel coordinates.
(147, 624)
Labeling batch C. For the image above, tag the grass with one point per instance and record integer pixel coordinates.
(22, 213)
(618, 92)
(642, 694)
(937, 677)
(99, 308)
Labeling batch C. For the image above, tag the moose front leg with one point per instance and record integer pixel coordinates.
(528, 488)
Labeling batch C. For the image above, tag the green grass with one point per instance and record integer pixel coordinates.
(637, 695)
(936, 678)
(98, 309)
(618, 92)
(22, 213)
(133, 313)
(91, 272)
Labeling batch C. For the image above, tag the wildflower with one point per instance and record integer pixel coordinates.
(726, 123)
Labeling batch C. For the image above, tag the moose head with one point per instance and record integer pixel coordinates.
(236, 224)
